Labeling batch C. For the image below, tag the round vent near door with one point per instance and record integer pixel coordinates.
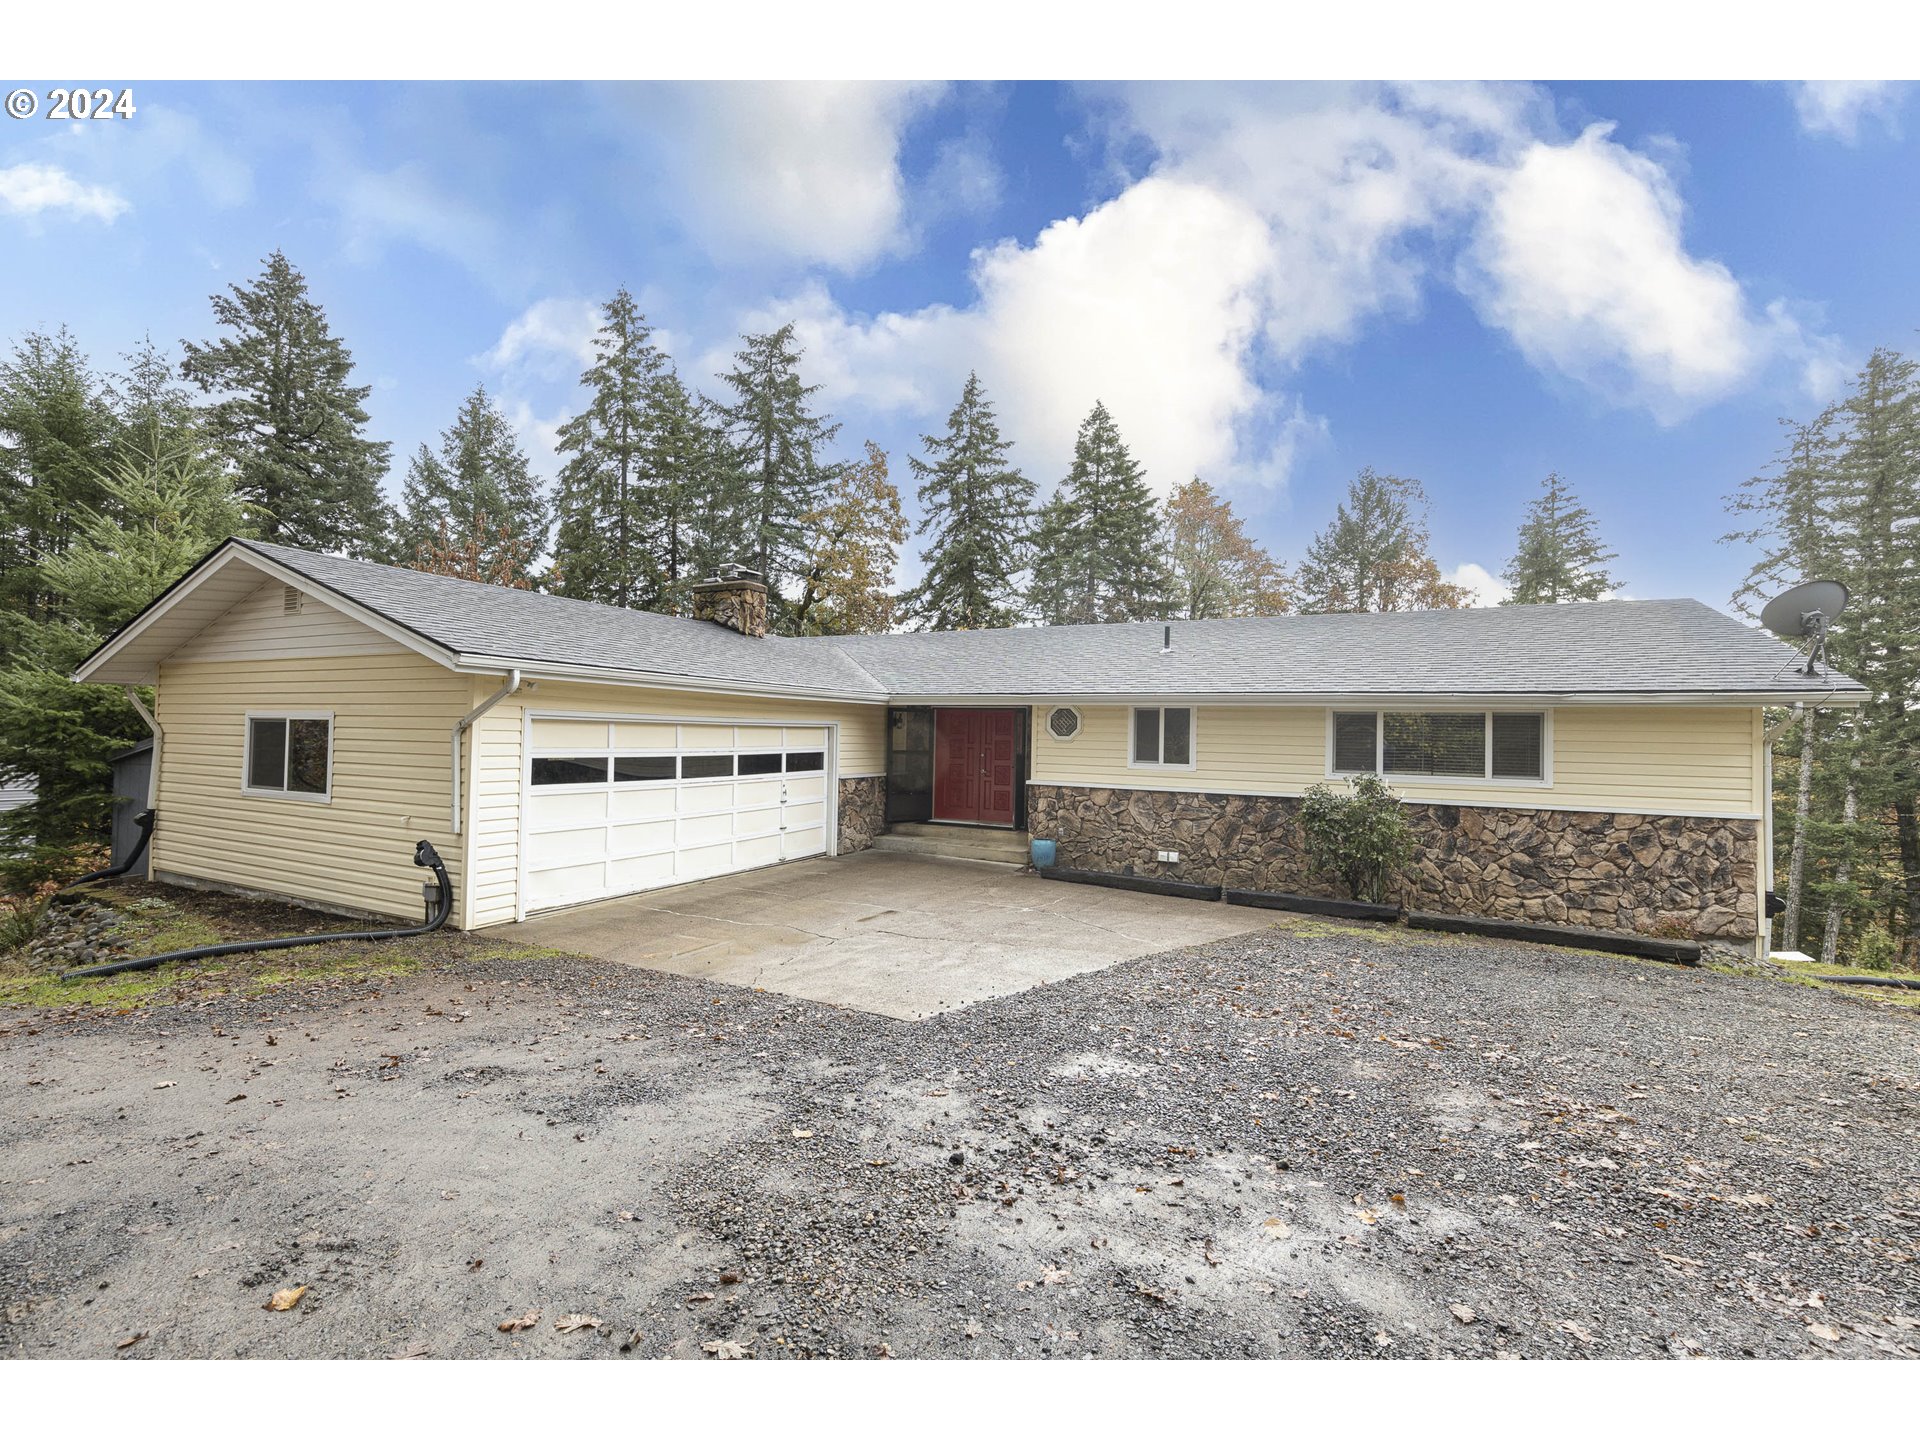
(1064, 723)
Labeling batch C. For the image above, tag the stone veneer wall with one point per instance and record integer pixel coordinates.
(863, 811)
(1655, 875)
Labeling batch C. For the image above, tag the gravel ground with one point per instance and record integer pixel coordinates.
(1311, 1141)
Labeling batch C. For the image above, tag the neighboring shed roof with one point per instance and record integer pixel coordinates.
(1678, 648)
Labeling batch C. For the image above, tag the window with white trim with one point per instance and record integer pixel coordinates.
(1162, 738)
(289, 754)
(1439, 744)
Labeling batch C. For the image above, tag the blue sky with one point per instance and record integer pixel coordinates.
(1269, 285)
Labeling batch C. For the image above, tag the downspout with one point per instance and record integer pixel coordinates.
(466, 724)
(153, 768)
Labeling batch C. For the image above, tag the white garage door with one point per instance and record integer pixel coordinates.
(617, 806)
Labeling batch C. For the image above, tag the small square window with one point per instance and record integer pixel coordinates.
(289, 755)
(1163, 737)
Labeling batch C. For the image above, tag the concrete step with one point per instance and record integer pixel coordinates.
(1003, 847)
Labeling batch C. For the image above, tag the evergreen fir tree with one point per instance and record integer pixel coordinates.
(1097, 551)
(694, 501)
(978, 510)
(1559, 556)
(604, 498)
(479, 483)
(1217, 570)
(157, 415)
(783, 477)
(287, 419)
(58, 428)
(1375, 555)
(155, 515)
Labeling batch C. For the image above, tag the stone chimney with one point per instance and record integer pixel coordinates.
(736, 598)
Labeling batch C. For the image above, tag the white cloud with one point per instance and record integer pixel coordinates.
(800, 171)
(1579, 257)
(1836, 107)
(30, 189)
(1273, 222)
(551, 329)
(1485, 587)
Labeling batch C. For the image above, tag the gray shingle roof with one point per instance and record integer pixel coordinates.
(1624, 647)
(1618, 646)
(521, 625)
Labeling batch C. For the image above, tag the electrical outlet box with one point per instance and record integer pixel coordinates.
(1168, 857)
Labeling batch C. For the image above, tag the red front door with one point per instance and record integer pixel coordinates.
(973, 765)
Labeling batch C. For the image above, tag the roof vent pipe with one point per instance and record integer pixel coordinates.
(1166, 638)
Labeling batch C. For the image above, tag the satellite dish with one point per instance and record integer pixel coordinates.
(1805, 612)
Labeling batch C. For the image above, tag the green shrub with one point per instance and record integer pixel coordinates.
(1876, 949)
(1361, 838)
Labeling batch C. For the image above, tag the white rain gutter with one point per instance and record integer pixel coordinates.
(465, 724)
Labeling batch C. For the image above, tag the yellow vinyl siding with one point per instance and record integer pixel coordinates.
(392, 714)
(261, 627)
(1649, 759)
(496, 762)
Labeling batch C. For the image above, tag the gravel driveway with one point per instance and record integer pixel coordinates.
(1313, 1141)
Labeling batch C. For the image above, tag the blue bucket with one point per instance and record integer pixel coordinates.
(1045, 852)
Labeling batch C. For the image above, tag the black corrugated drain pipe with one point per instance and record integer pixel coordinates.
(423, 854)
(1888, 983)
(145, 820)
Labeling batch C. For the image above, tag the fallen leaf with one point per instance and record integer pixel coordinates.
(567, 1324)
(730, 1277)
(130, 1340)
(1578, 1331)
(525, 1322)
(696, 1299)
(801, 1135)
(1823, 1332)
(972, 1332)
(632, 1341)
(1905, 1322)
(285, 1299)
(1368, 1217)
(240, 1096)
(1052, 1276)
(165, 1085)
(727, 1350)
(883, 1351)
(1465, 1314)
(1281, 1230)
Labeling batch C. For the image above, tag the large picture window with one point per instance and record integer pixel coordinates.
(290, 755)
(1439, 744)
(1162, 737)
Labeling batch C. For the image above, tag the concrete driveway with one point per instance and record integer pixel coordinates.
(904, 936)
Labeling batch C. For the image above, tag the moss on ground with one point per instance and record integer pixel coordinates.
(157, 919)
(1819, 977)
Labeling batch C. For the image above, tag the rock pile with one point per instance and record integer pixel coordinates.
(73, 933)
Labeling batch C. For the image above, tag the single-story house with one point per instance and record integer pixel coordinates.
(1599, 764)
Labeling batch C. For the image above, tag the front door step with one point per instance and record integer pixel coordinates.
(956, 842)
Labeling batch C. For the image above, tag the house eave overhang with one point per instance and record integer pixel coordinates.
(657, 680)
(1380, 699)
